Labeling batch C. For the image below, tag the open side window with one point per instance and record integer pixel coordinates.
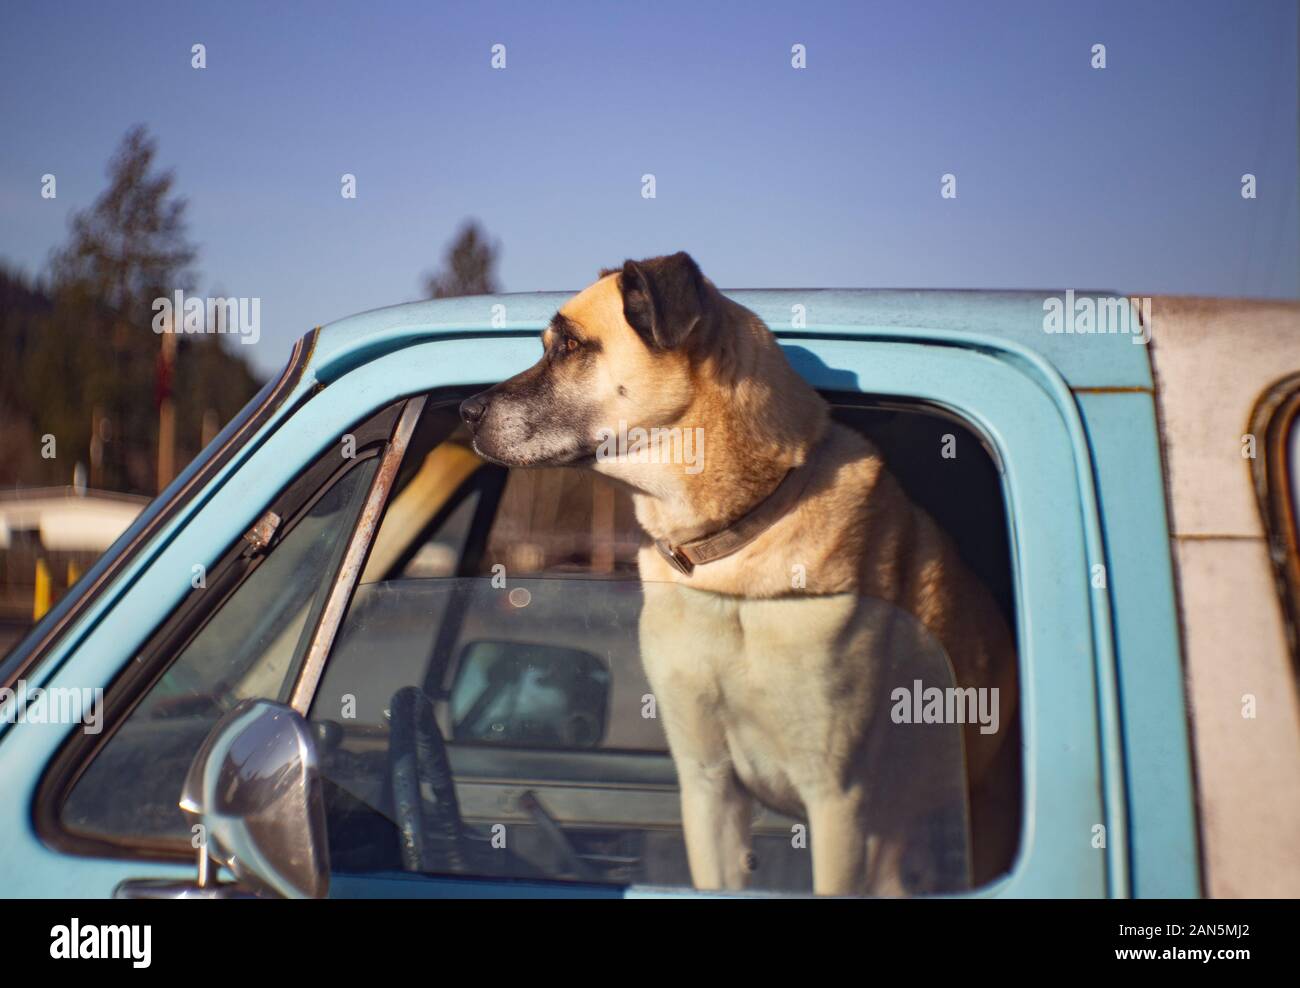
(485, 711)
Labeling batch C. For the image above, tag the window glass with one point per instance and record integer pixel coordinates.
(248, 648)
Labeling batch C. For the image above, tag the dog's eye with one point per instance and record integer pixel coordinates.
(570, 344)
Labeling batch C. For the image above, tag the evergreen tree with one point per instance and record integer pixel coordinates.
(469, 266)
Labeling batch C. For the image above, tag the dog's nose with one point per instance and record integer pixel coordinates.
(472, 409)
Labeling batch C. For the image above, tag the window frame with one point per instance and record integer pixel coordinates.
(1090, 758)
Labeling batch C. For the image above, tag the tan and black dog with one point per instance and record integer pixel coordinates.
(769, 687)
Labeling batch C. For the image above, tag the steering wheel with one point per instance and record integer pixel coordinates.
(430, 830)
(431, 833)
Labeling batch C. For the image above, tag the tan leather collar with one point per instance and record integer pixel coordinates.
(685, 556)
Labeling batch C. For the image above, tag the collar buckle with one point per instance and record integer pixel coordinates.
(677, 559)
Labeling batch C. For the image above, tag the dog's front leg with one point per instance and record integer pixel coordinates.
(839, 845)
(717, 814)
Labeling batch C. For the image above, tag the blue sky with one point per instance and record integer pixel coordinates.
(1125, 178)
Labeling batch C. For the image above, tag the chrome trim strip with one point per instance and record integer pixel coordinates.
(340, 593)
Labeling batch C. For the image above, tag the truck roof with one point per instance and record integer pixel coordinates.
(1017, 318)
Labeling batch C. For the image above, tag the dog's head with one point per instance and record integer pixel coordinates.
(620, 351)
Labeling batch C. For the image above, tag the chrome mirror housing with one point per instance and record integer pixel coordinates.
(255, 789)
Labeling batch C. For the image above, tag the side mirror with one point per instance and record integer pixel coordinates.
(255, 788)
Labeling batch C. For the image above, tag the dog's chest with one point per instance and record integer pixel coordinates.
(760, 684)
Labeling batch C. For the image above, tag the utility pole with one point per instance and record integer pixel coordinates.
(98, 434)
(166, 405)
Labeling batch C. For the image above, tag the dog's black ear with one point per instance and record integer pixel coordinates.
(663, 298)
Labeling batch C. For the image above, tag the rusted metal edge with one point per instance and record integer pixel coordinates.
(340, 593)
(1271, 421)
(1214, 537)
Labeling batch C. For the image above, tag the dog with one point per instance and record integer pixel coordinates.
(770, 687)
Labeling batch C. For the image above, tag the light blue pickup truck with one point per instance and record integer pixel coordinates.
(343, 655)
